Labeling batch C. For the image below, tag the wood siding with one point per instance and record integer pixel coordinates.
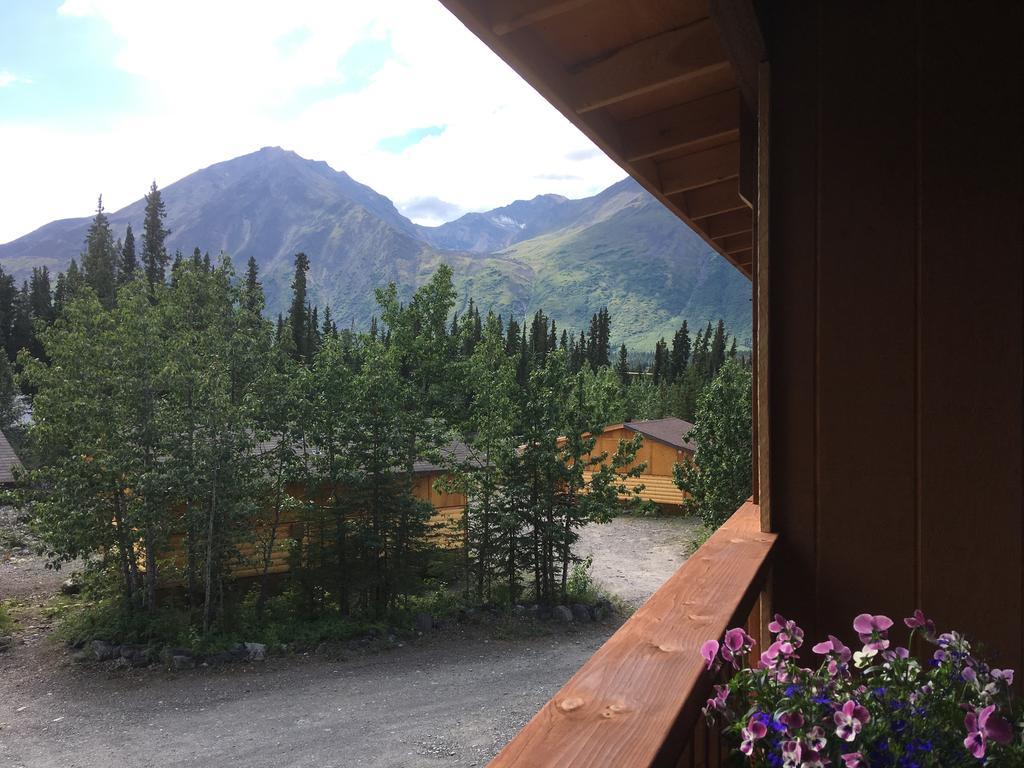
(659, 459)
(896, 314)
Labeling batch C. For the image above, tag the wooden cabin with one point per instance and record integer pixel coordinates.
(9, 462)
(665, 445)
(281, 536)
(863, 165)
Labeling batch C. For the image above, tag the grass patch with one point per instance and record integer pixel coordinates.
(7, 621)
(700, 535)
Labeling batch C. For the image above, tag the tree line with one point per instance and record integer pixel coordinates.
(173, 423)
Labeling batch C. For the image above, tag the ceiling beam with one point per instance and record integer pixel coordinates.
(710, 200)
(648, 65)
(736, 243)
(680, 174)
(740, 33)
(510, 15)
(713, 117)
(725, 224)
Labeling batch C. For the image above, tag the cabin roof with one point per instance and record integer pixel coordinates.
(8, 461)
(670, 431)
(655, 86)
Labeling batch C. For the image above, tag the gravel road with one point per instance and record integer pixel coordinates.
(452, 698)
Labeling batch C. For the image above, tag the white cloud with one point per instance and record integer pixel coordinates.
(9, 78)
(227, 77)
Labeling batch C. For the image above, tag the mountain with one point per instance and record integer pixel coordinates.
(619, 248)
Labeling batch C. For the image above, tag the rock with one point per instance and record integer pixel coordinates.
(544, 612)
(71, 587)
(122, 663)
(220, 659)
(135, 655)
(256, 651)
(601, 610)
(423, 622)
(105, 651)
(562, 613)
(5, 643)
(179, 663)
(239, 652)
(581, 613)
(519, 610)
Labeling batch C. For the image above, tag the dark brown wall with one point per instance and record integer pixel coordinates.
(897, 313)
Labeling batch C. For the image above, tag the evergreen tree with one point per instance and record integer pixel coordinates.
(253, 300)
(718, 348)
(661, 362)
(99, 262)
(718, 478)
(680, 357)
(622, 366)
(154, 237)
(732, 349)
(297, 314)
(41, 297)
(129, 263)
(8, 297)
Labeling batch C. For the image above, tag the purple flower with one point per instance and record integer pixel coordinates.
(717, 704)
(791, 751)
(985, 725)
(872, 631)
(816, 739)
(792, 720)
(814, 759)
(755, 730)
(852, 759)
(918, 621)
(849, 719)
(1004, 675)
(709, 651)
(787, 630)
(776, 653)
(838, 654)
(735, 644)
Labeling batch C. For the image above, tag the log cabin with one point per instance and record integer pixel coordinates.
(863, 165)
(665, 445)
(9, 462)
(279, 537)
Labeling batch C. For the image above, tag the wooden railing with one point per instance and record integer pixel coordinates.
(637, 701)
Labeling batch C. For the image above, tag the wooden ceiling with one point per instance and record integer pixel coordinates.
(651, 84)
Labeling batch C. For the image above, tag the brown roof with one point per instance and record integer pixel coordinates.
(671, 431)
(8, 461)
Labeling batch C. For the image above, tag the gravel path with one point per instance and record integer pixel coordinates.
(450, 699)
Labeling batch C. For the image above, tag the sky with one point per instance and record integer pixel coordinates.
(105, 96)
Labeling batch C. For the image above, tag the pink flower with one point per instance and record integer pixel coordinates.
(792, 720)
(709, 651)
(872, 631)
(717, 704)
(838, 654)
(755, 730)
(791, 752)
(816, 739)
(849, 719)
(918, 621)
(787, 630)
(985, 725)
(814, 759)
(851, 759)
(735, 644)
(777, 652)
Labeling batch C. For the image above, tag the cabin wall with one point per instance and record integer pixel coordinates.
(896, 314)
(658, 458)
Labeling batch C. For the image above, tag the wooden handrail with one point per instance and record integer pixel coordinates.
(636, 700)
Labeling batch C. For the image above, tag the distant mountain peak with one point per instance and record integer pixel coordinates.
(618, 248)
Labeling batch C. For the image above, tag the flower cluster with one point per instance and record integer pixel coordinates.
(877, 707)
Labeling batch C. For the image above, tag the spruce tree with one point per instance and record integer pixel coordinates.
(154, 237)
(99, 262)
(253, 300)
(129, 263)
(297, 313)
(680, 357)
(718, 348)
(622, 366)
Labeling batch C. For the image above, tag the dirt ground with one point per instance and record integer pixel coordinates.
(451, 698)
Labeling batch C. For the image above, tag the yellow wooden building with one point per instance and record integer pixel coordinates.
(666, 443)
